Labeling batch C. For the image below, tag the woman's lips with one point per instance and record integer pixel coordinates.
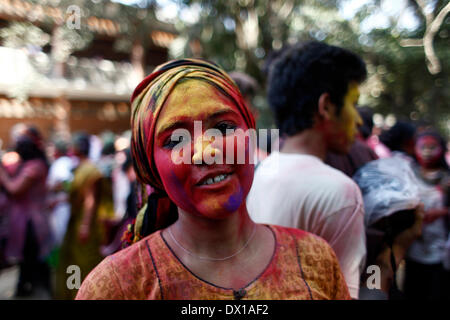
(216, 181)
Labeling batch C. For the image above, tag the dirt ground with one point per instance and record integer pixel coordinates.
(8, 281)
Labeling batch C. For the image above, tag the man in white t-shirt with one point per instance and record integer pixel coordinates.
(313, 92)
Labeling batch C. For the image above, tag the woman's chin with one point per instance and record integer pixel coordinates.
(221, 205)
(217, 209)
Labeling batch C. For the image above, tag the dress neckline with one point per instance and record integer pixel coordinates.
(235, 291)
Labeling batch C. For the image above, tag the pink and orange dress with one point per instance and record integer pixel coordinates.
(303, 267)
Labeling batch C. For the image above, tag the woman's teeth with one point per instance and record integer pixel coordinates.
(216, 179)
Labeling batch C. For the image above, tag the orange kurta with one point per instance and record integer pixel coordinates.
(303, 266)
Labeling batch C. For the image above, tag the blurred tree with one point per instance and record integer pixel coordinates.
(71, 31)
(241, 34)
(23, 34)
(433, 22)
(135, 23)
(405, 80)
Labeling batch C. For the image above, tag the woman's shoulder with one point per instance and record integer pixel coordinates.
(302, 238)
(35, 168)
(126, 274)
(88, 167)
(317, 262)
(309, 248)
(139, 250)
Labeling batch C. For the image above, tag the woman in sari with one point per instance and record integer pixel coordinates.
(81, 244)
(188, 123)
(29, 238)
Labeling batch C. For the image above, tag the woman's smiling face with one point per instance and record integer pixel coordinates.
(213, 189)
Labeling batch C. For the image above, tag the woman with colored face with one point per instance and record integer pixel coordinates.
(429, 152)
(425, 275)
(28, 238)
(192, 143)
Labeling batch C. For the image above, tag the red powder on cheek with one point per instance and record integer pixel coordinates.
(428, 151)
(173, 177)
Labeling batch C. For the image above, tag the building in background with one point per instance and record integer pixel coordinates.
(87, 89)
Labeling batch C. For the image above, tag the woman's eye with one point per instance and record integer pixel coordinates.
(225, 127)
(172, 141)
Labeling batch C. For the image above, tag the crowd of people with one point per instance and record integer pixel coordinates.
(62, 202)
(175, 214)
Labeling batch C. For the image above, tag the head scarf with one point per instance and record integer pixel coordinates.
(149, 97)
(147, 101)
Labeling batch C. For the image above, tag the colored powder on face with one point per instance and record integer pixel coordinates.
(234, 202)
(178, 192)
(349, 115)
(428, 151)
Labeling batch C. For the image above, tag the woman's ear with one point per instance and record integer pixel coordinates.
(326, 109)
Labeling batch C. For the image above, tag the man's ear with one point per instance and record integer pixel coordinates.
(326, 109)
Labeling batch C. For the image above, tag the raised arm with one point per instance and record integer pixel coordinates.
(29, 174)
(89, 207)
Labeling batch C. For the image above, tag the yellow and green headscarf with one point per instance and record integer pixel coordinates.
(147, 101)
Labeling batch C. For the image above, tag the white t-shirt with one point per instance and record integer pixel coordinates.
(300, 191)
(59, 172)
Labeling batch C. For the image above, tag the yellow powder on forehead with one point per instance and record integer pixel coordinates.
(192, 99)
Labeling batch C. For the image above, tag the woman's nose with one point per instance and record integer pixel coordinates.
(203, 149)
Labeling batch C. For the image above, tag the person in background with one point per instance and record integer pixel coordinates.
(131, 208)
(29, 237)
(121, 186)
(425, 276)
(81, 244)
(58, 181)
(400, 139)
(447, 154)
(393, 220)
(248, 88)
(313, 89)
(360, 153)
(106, 165)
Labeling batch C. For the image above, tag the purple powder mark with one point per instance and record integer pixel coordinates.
(234, 202)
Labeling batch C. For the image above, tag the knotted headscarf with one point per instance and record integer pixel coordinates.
(147, 101)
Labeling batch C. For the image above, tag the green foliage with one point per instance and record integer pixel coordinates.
(240, 34)
(398, 83)
(22, 34)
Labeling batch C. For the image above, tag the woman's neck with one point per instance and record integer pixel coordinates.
(213, 238)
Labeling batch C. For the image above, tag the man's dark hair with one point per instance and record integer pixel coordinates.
(81, 143)
(398, 135)
(247, 85)
(61, 146)
(128, 160)
(30, 145)
(366, 114)
(108, 143)
(301, 74)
